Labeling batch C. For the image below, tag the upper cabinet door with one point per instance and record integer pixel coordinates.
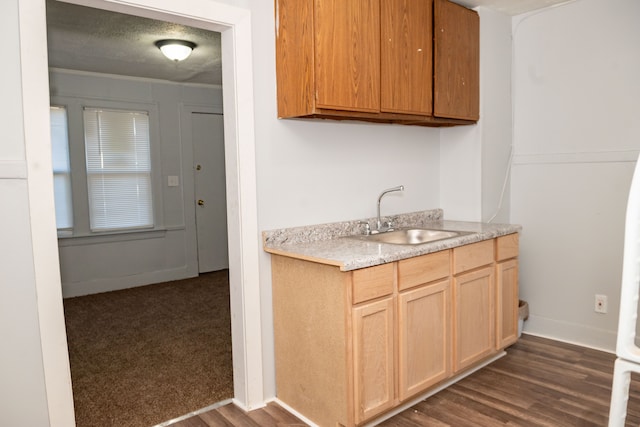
(456, 61)
(406, 28)
(347, 56)
(294, 57)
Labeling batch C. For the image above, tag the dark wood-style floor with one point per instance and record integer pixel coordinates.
(539, 382)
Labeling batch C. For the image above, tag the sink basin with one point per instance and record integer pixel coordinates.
(410, 236)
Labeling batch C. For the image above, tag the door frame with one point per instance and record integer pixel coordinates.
(234, 23)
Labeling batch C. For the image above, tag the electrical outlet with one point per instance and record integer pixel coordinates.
(601, 304)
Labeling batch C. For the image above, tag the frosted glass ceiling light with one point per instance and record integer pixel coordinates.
(175, 50)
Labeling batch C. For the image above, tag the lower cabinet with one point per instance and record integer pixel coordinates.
(373, 344)
(424, 341)
(373, 358)
(507, 303)
(475, 314)
(350, 346)
(372, 305)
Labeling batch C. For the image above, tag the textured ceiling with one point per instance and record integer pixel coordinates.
(87, 39)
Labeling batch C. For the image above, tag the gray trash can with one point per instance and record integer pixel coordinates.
(523, 314)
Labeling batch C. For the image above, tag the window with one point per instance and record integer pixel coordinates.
(61, 168)
(118, 164)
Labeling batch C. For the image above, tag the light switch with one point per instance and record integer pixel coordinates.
(173, 181)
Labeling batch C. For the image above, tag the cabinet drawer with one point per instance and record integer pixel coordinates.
(373, 282)
(507, 247)
(471, 256)
(423, 269)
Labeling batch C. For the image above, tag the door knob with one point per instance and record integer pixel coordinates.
(200, 202)
(198, 167)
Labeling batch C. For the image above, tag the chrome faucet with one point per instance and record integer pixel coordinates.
(379, 227)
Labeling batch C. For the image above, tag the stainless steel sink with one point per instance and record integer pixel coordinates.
(410, 236)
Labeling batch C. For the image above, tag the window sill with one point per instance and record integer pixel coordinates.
(65, 239)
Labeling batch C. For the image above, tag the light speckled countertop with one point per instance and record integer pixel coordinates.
(329, 244)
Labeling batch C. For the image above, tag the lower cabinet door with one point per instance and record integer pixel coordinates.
(474, 332)
(507, 308)
(424, 321)
(373, 358)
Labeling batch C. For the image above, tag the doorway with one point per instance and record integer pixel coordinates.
(244, 248)
(68, 23)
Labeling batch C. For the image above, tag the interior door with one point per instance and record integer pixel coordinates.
(210, 191)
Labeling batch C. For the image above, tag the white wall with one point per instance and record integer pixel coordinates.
(495, 124)
(21, 365)
(34, 358)
(577, 135)
(474, 159)
(104, 263)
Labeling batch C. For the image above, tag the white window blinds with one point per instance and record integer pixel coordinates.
(118, 169)
(61, 168)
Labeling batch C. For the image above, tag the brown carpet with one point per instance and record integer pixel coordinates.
(150, 354)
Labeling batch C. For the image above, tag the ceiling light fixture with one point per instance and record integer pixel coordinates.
(175, 50)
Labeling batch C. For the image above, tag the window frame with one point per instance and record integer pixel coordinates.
(77, 156)
(63, 231)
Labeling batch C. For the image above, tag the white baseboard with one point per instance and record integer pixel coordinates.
(194, 413)
(571, 333)
(96, 286)
(245, 408)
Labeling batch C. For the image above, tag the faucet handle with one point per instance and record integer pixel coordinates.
(390, 223)
(367, 227)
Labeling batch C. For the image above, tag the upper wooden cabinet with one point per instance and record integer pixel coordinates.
(406, 56)
(347, 54)
(375, 59)
(456, 78)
